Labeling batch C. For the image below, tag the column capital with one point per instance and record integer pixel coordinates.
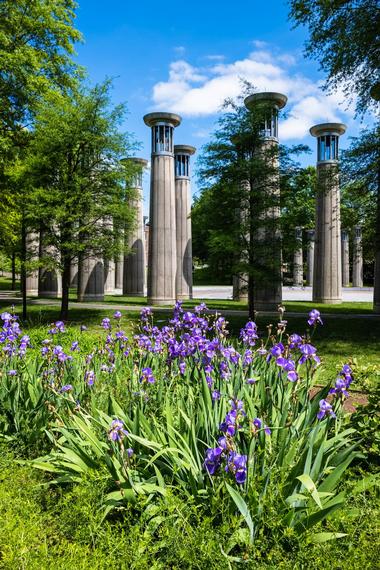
(276, 100)
(336, 129)
(161, 118)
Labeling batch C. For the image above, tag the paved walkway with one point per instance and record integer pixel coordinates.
(349, 294)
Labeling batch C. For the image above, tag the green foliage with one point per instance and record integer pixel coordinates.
(343, 38)
(366, 418)
(36, 46)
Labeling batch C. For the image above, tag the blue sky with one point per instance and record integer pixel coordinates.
(186, 57)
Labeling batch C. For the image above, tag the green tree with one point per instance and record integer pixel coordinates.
(239, 175)
(77, 180)
(344, 38)
(361, 193)
(36, 44)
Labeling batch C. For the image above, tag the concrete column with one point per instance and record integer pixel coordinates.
(109, 264)
(268, 287)
(146, 242)
(119, 270)
(310, 257)
(91, 280)
(74, 273)
(134, 261)
(298, 260)
(184, 274)
(357, 260)
(49, 280)
(327, 281)
(162, 263)
(345, 259)
(32, 252)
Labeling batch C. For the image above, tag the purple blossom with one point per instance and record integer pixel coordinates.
(308, 352)
(238, 465)
(258, 424)
(12, 372)
(314, 318)
(147, 376)
(340, 388)
(66, 388)
(213, 460)
(106, 323)
(117, 315)
(117, 431)
(74, 346)
(215, 395)
(248, 334)
(325, 409)
(90, 377)
(295, 340)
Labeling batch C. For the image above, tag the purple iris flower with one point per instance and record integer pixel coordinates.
(340, 388)
(182, 367)
(213, 459)
(295, 340)
(66, 388)
(147, 376)
(117, 431)
(74, 346)
(276, 351)
(117, 315)
(239, 467)
(308, 352)
(228, 426)
(106, 323)
(248, 334)
(259, 424)
(325, 409)
(215, 395)
(314, 318)
(12, 372)
(289, 366)
(83, 328)
(90, 377)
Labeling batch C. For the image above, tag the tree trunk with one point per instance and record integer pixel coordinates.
(13, 286)
(23, 269)
(65, 288)
(376, 289)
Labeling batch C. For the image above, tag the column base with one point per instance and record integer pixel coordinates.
(161, 302)
(50, 294)
(118, 291)
(87, 298)
(327, 301)
(271, 306)
(32, 293)
(133, 294)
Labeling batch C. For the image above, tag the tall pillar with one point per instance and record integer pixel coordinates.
(134, 261)
(49, 279)
(119, 270)
(74, 273)
(327, 283)
(268, 287)
(91, 279)
(162, 262)
(32, 250)
(184, 275)
(310, 257)
(345, 259)
(357, 260)
(298, 259)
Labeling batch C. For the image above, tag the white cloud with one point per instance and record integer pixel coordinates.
(200, 92)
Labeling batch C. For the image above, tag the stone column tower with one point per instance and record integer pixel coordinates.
(357, 261)
(184, 275)
(268, 293)
(32, 248)
(162, 262)
(298, 260)
(345, 259)
(310, 258)
(134, 262)
(49, 279)
(327, 282)
(91, 279)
